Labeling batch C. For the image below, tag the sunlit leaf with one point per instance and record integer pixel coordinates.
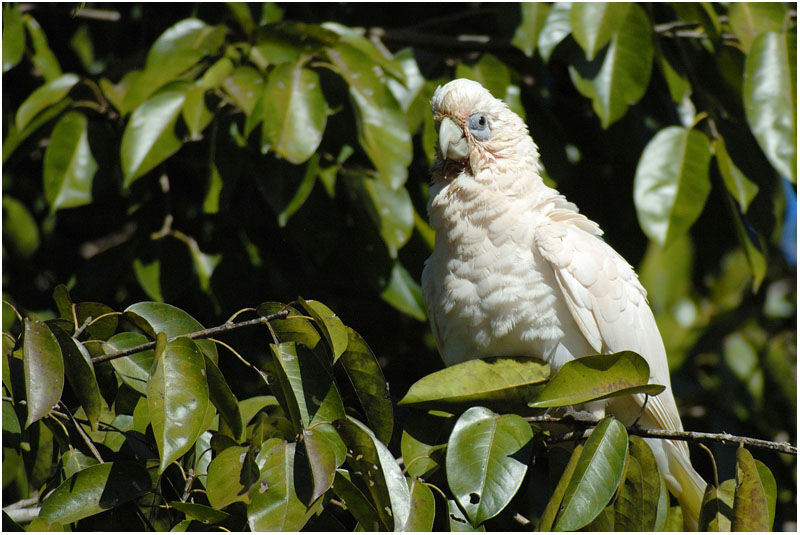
(195, 113)
(556, 28)
(44, 369)
(43, 97)
(770, 489)
(637, 504)
(739, 186)
(13, 36)
(230, 476)
(716, 511)
(154, 318)
(553, 506)
(423, 507)
(325, 452)
(19, 227)
(749, 19)
(485, 463)
(750, 506)
(404, 293)
(134, 370)
(245, 87)
(182, 45)
(44, 60)
(594, 23)
(69, 166)
(328, 322)
(526, 36)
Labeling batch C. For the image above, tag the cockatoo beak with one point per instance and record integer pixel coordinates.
(452, 141)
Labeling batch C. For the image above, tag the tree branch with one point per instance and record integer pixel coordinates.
(205, 333)
(688, 436)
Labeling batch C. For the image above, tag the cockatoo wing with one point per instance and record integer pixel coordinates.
(606, 300)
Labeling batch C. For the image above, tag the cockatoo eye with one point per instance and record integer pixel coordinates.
(478, 126)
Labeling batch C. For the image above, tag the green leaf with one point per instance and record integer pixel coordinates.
(43, 58)
(672, 183)
(620, 78)
(81, 43)
(274, 505)
(554, 505)
(500, 380)
(752, 244)
(370, 385)
(230, 476)
(556, 28)
(749, 19)
(593, 24)
(149, 136)
(357, 502)
(94, 490)
(750, 506)
(526, 36)
(391, 210)
(199, 512)
(69, 166)
(307, 385)
(15, 137)
(244, 87)
(716, 511)
(134, 370)
(223, 399)
(177, 399)
(403, 292)
(303, 191)
(357, 40)
(770, 489)
(597, 475)
(154, 318)
(74, 461)
(295, 112)
(424, 441)
(80, 374)
(596, 377)
(637, 503)
(423, 507)
(408, 93)
(296, 327)
(44, 369)
(457, 520)
(328, 322)
(378, 472)
(325, 452)
(486, 461)
(742, 189)
(195, 113)
(19, 227)
(490, 72)
(215, 74)
(13, 36)
(44, 97)
(770, 101)
(182, 45)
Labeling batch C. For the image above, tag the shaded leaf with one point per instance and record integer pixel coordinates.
(355, 39)
(93, 490)
(74, 461)
(404, 293)
(303, 191)
(43, 97)
(245, 87)
(201, 513)
(80, 374)
(671, 183)
(423, 507)
(597, 377)
(496, 379)
(43, 58)
(325, 452)
(230, 476)
(638, 502)
(195, 113)
(749, 19)
(486, 461)
(149, 136)
(44, 369)
(13, 36)
(177, 399)
(357, 503)
(750, 506)
(752, 243)
(594, 23)
(457, 520)
(328, 322)
(770, 104)
(19, 227)
(391, 210)
(739, 186)
(597, 475)
(770, 489)
(134, 370)
(526, 36)
(424, 442)
(223, 399)
(716, 511)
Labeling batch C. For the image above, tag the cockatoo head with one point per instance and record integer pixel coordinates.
(477, 131)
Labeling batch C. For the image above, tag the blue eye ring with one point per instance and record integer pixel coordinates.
(478, 125)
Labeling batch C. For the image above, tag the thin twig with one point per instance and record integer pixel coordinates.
(205, 333)
(83, 434)
(687, 436)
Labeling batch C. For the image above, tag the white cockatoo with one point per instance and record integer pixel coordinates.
(516, 270)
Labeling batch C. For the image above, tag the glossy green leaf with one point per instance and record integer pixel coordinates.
(43, 59)
(770, 103)
(223, 399)
(43, 97)
(154, 318)
(409, 92)
(553, 506)
(750, 506)
(303, 191)
(391, 210)
(244, 87)
(177, 399)
(195, 113)
(230, 476)
(594, 23)
(556, 28)
(149, 136)
(13, 36)
(295, 328)
(69, 166)
(739, 186)
(373, 463)
(457, 520)
(486, 461)
(423, 507)
(357, 40)
(672, 183)
(201, 513)
(15, 137)
(620, 78)
(74, 461)
(94, 490)
(134, 370)
(716, 511)
(19, 227)
(637, 504)
(44, 369)
(498, 379)
(307, 385)
(100, 320)
(404, 293)
(182, 45)
(325, 452)
(526, 36)
(370, 385)
(597, 377)
(357, 503)
(215, 74)
(424, 442)
(490, 72)
(596, 477)
(749, 19)
(328, 322)
(274, 505)
(80, 374)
